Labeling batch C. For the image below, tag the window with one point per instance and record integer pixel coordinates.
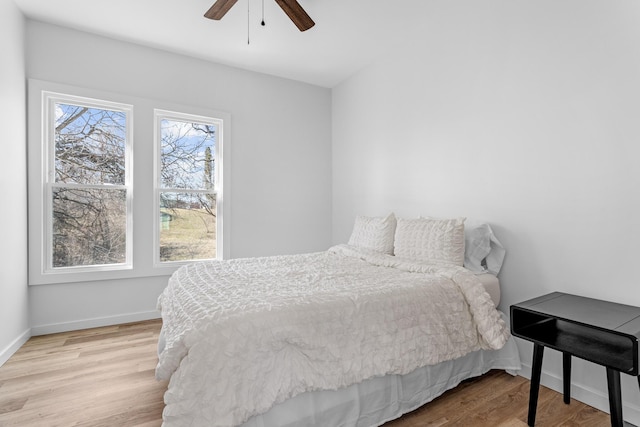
(186, 193)
(122, 187)
(87, 183)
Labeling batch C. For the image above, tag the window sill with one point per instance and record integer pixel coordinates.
(37, 279)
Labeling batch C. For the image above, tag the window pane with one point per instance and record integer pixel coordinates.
(89, 227)
(89, 145)
(187, 158)
(187, 226)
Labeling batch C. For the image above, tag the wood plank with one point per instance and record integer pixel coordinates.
(11, 405)
(105, 377)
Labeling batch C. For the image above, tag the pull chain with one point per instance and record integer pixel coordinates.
(249, 20)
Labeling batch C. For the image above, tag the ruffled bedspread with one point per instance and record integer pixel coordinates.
(242, 335)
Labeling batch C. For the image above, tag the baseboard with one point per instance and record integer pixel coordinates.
(93, 323)
(7, 352)
(598, 399)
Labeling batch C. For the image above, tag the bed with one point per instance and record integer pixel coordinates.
(352, 336)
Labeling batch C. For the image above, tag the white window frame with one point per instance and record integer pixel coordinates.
(158, 116)
(143, 221)
(49, 101)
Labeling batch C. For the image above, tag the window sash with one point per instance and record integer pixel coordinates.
(49, 102)
(216, 190)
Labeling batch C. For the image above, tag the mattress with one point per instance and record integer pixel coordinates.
(490, 282)
(314, 322)
(380, 399)
(491, 285)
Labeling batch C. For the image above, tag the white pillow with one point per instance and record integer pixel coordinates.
(483, 251)
(428, 239)
(477, 247)
(374, 233)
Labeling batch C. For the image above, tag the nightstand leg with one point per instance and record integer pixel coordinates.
(615, 397)
(536, 369)
(566, 377)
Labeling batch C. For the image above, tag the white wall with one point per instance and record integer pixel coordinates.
(14, 326)
(523, 114)
(280, 157)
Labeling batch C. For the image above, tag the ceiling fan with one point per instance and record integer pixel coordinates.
(291, 7)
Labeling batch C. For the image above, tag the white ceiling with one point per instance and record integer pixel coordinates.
(348, 35)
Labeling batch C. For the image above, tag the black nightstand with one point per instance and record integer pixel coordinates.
(601, 332)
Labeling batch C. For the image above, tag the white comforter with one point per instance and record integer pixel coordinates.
(242, 335)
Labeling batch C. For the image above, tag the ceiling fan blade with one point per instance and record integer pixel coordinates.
(219, 9)
(296, 13)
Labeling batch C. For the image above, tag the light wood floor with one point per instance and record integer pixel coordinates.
(105, 377)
